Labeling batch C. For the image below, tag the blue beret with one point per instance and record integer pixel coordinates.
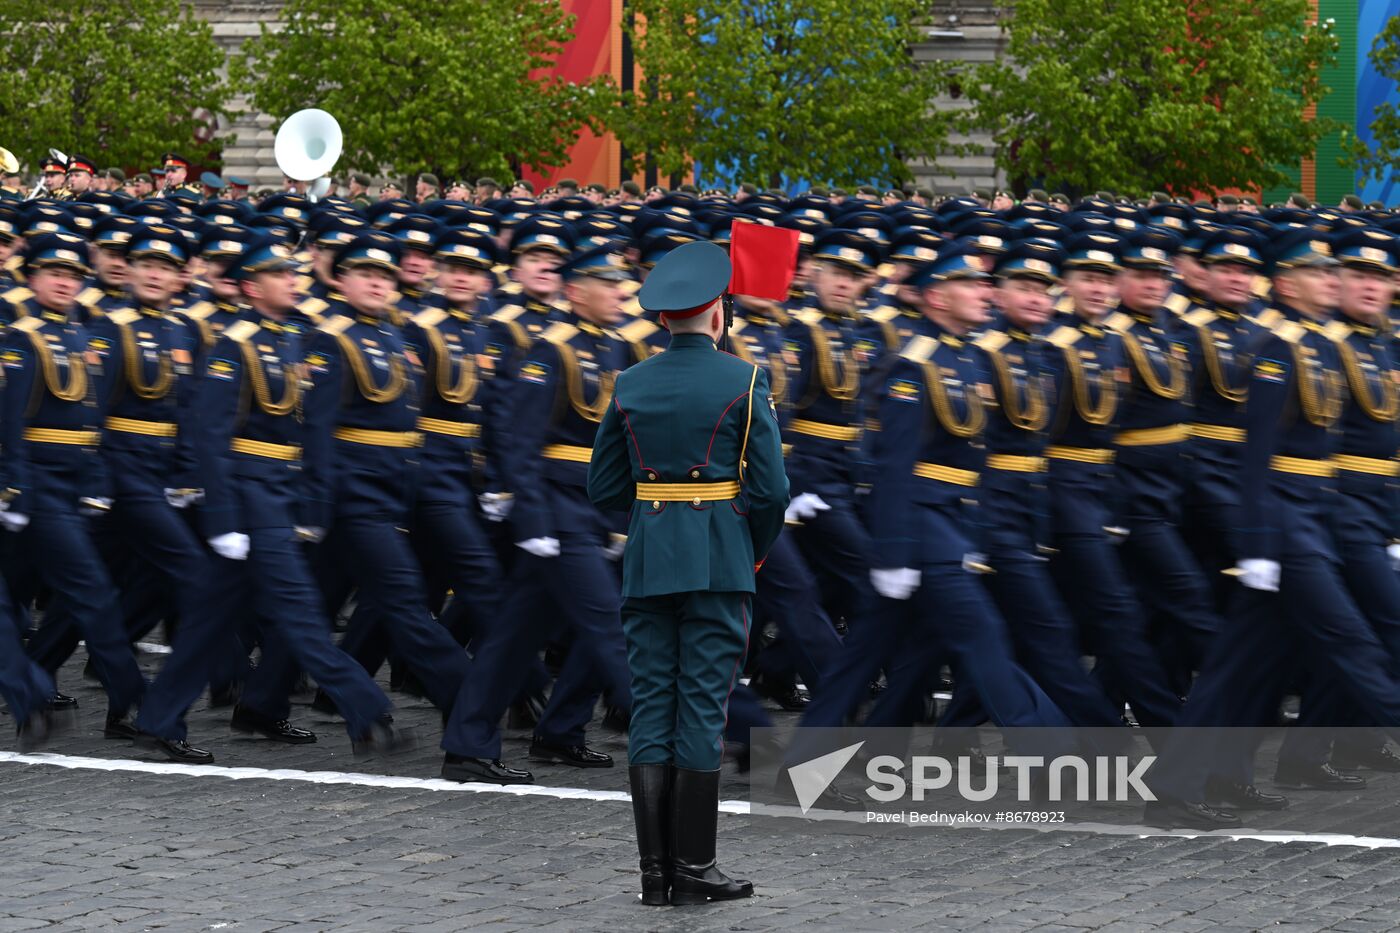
(686, 281)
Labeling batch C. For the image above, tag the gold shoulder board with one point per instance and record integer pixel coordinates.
(508, 314)
(1200, 317)
(430, 317)
(1337, 330)
(1289, 331)
(1268, 318)
(632, 307)
(1118, 321)
(642, 329)
(198, 311)
(90, 295)
(313, 307)
(1064, 337)
(511, 288)
(919, 349)
(559, 332)
(993, 340)
(28, 324)
(336, 325)
(17, 294)
(884, 315)
(125, 316)
(1177, 303)
(241, 331)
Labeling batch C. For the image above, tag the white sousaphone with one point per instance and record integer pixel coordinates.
(307, 146)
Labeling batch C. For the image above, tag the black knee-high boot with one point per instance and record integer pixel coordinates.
(694, 819)
(651, 793)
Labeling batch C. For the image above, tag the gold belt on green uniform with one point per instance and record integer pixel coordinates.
(694, 493)
(379, 438)
(243, 445)
(137, 426)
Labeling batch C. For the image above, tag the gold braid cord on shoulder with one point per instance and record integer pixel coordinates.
(1215, 370)
(1389, 405)
(846, 390)
(943, 406)
(1108, 391)
(392, 389)
(1036, 413)
(165, 375)
(291, 379)
(465, 389)
(77, 386)
(777, 374)
(1175, 388)
(573, 380)
(1319, 389)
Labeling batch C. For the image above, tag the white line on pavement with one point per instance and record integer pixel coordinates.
(741, 807)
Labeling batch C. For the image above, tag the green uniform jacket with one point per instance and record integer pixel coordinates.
(687, 418)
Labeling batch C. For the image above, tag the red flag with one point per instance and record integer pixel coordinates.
(764, 260)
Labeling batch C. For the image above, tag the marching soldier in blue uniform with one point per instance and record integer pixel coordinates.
(52, 471)
(109, 239)
(1294, 596)
(1150, 464)
(562, 390)
(248, 447)
(360, 469)
(1013, 502)
(689, 445)
(928, 550)
(1090, 360)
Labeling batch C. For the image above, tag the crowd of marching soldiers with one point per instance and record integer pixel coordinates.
(1161, 435)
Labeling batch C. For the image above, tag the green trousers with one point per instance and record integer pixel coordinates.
(685, 651)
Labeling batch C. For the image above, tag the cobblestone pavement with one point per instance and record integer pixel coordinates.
(88, 849)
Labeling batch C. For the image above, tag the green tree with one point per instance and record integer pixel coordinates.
(1137, 95)
(119, 81)
(454, 87)
(808, 89)
(1382, 155)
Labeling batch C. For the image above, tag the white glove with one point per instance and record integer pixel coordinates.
(13, 521)
(232, 545)
(805, 506)
(94, 505)
(183, 498)
(1393, 552)
(540, 547)
(496, 505)
(1258, 574)
(310, 534)
(615, 546)
(896, 584)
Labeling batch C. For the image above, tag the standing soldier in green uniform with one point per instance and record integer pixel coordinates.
(690, 446)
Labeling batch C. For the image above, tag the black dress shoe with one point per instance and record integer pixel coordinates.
(119, 727)
(786, 694)
(1238, 796)
(484, 770)
(1379, 758)
(1186, 814)
(580, 756)
(1317, 777)
(279, 730)
(383, 738)
(34, 731)
(61, 701)
(616, 719)
(175, 749)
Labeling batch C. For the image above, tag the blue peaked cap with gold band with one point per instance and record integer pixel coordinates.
(689, 279)
(1297, 247)
(1151, 248)
(368, 250)
(961, 259)
(1233, 244)
(468, 247)
(1031, 258)
(265, 254)
(57, 251)
(605, 262)
(157, 241)
(1368, 247)
(1094, 251)
(847, 248)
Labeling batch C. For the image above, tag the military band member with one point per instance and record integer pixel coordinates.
(53, 473)
(689, 445)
